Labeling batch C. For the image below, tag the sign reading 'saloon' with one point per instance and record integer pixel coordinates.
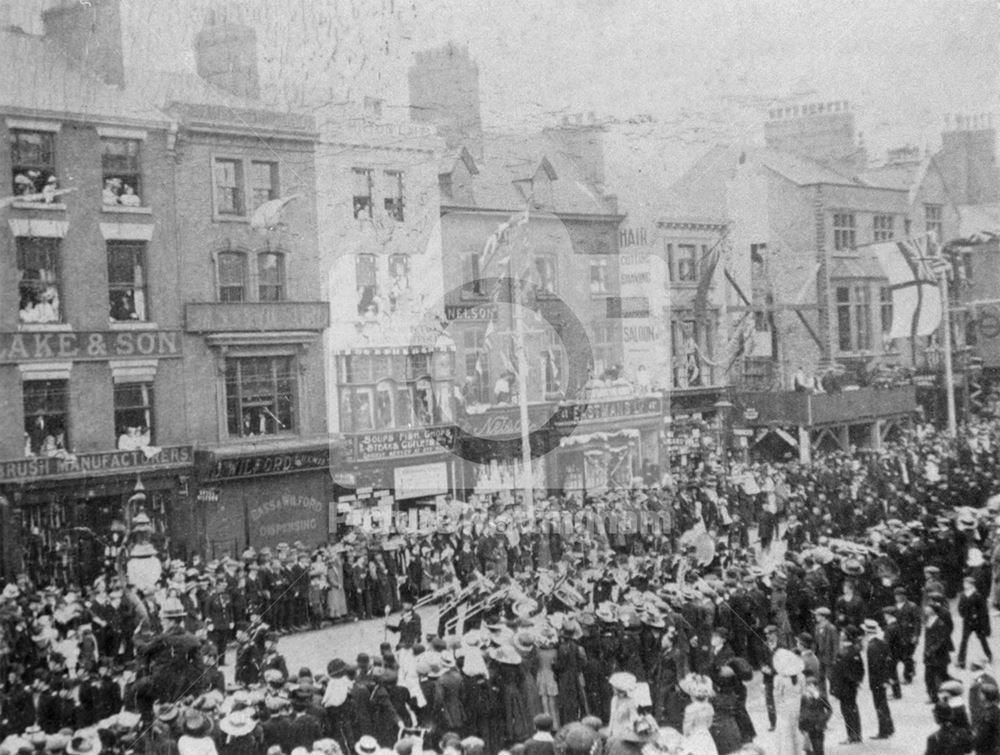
(79, 346)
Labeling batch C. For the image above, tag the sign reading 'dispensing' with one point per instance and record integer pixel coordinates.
(82, 346)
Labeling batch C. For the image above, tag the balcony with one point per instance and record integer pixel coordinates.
(812, 410)
(256, 317)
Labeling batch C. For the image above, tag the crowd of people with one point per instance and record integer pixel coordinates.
(636, 621)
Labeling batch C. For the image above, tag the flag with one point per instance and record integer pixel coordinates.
(913, 267)
(268, 215)
(496, 251)
(706, 272)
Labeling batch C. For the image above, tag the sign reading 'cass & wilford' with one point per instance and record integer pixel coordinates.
(81, 346)
(402, 443)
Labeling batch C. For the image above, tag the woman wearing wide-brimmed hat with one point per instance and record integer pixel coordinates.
(788, 688)
(624, 709)
(242, 735)
(506, 669)
(698, 715)
(195, 736)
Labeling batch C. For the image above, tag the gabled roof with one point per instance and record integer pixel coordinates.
(36, 78)
(449, 161)
(508, 160)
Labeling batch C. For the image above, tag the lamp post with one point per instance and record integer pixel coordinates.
(723, 407)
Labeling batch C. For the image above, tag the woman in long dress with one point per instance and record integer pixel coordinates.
(698, 715)
(788, 688)
(545, 678)
(336, 597)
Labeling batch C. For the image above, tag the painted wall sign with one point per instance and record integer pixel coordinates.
(269, 464)
(109, 462)
(403, 443)
(83, 346)
(599, 411)
(420, 480)
(470, 312)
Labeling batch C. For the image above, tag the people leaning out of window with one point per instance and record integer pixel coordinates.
(40, 305)
(117, 192)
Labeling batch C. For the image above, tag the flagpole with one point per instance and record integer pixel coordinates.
(949, 375)
(527, 481)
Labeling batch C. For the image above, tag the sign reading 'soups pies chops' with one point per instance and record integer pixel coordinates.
(82, 346)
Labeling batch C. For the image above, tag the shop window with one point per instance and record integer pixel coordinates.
(228, 176)
(885, 311)
(598, 277)
(691, 350)
(844, 231)
(263, 182)
(356, 409)
(404, 406)
(133, 415)
(260, 395)
(394, 194)
(232, 275)
(552, 364)
(33, 159)
(423, 401)
(270, 276)
(127, 281)
(365, 275)
(603, 343)
(362, 192)
(121, 169)
(545, 268)
(38, 280)
(933, 220)
(46, 404)
(882, 228)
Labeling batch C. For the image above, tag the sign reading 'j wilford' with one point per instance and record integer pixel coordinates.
(81, 346)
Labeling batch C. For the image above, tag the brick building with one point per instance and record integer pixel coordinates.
(156, 335)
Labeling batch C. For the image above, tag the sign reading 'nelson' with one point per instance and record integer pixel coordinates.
(82, 346)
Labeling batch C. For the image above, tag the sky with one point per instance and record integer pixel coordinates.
(676, 75)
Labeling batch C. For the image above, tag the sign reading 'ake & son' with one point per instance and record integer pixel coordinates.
(82, 346)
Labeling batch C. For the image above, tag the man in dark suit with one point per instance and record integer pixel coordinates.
(975, 619)
(986, 730)
(879, 675)
(937, 651)
(720, 653)
(827, 641)
(541, 742)
(908, 616)
(771, 644)
(409, 626)
(219, 612)
(846, 676)
(980, 679)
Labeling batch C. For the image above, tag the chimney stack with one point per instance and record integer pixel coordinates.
(968, 159)
(444, 92)
(90, 34)
(582, 139)
(226, 55)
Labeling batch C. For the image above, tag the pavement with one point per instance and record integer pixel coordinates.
(911, 715)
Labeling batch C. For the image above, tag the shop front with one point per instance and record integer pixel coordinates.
(262, 496)
(695, 425)
(58, 515)
(606, 443)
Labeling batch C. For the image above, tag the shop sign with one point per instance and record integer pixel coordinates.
(470, 312)
(575, 414)
(421, 480)
(84, 346)
(398, 444)
(287, 516)
(108, 462)
(504, 423)
(270, 464)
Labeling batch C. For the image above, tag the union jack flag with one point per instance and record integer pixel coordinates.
(914, 267)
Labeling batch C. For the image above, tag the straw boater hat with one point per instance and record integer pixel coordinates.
(975, 558)
(505, 654)
(787, 663)
(238, 723)
(367, 745)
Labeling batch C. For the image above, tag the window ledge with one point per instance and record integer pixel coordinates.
(46, 207)
(117, 208)
(129, 325)
(45, 327)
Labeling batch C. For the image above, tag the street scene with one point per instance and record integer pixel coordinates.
(598, 377)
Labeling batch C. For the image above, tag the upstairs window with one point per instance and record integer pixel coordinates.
(228, 183)
(598, 277)
(854, 318)
(882, 228)
(933, 219)
(545, 267)
(232, 273)
(38, 280)
(33, 160)
(270, 276)
(394, 194)
(474, 287)
(46, 408)
(263, 182)
(365, 278)
(133, 415)
(685, 264)
(121, 170)
(399, 277)
(260, 395)
(844, 232)
(127, 281)
(362, 192)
